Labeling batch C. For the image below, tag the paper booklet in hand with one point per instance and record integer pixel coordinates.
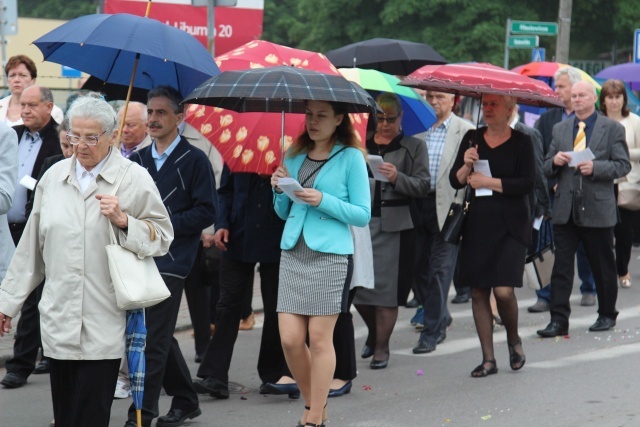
(288, 186)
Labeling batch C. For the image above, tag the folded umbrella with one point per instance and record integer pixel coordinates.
(136, 337)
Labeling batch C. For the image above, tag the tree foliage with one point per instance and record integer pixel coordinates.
(56, 9)
(461, 30)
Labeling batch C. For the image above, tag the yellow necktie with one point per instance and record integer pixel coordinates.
(580, 143)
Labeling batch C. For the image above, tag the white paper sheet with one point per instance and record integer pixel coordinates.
(28, 182)
(537, 223)
(482, 166)
(580, 156)
(288, 186)
(375, 161)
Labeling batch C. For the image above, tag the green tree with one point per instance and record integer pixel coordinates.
(56, 9)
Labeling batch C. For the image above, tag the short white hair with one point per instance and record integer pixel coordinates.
(88, 107)
(573, 74)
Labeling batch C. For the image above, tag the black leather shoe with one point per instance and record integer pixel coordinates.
(198, 358)
(176, 417)
(367, 351)
(442, 336)
(345, 389)
(274, 388)
(423, 347)
(461, 298)
(213, 387)
(43, 367)
(378, 364)
(602, 324)
(12, 380)
(553, 329)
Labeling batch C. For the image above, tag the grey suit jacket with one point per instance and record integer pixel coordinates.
(611, 161)
(8, 178)
(412, 163)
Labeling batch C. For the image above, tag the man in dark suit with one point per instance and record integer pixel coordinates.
(564, 79)
(186, 183)
(248, 232)
(585, 208)
(37, 140)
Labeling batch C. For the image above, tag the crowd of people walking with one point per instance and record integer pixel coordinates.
(210, 228)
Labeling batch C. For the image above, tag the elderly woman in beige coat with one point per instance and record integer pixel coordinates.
(83, 332)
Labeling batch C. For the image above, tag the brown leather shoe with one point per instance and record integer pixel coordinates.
(248, 323)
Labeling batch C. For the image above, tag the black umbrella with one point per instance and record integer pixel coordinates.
(113, 92)
(279, 89)
(397, 57)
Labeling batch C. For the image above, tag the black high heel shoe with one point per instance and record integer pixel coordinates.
(516, 360)
(367, 351)
(278, 389)
(310, 424)
(378, 364)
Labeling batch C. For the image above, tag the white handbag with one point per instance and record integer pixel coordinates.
(136, 281)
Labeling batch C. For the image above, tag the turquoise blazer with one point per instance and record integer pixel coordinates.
(346, 200)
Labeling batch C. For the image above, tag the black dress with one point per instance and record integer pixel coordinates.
(497, 230)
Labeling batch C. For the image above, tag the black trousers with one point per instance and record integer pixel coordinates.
(166, 367)
(199, 286)
(236, 281)
(27, 339)
(625, 234)
(82, 391)
(598, 245)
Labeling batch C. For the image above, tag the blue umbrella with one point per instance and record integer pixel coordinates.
(107, 46)
(136, 336)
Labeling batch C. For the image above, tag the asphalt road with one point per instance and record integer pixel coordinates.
(585, 379)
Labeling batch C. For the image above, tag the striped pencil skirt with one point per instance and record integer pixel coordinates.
(313, 283)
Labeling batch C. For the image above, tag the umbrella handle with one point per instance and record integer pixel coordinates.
(146, 14)
(138, 411)
(126, 103)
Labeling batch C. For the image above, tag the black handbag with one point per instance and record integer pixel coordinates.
(452, 228)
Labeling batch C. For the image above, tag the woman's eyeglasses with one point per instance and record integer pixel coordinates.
(390, 120)
(89, 140)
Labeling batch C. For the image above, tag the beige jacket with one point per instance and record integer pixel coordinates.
(445, 194)
(65, 241)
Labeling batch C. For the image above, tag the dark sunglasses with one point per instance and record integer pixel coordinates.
(390, 120)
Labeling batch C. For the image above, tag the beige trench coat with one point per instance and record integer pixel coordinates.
(64, 241)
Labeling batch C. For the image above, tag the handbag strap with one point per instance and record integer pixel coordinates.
(320, 167)
(112, 235)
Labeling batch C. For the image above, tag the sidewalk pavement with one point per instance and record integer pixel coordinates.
(183, 322)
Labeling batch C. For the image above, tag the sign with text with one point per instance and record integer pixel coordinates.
(525, 42)
(532, 27)
(590, 67)
(234, 26)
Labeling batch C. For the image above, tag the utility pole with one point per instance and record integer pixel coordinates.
(564, 31)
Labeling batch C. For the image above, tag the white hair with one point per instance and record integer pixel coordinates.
(88, 107)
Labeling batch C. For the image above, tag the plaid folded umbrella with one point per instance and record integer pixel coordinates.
(136, 336)
(279, 89)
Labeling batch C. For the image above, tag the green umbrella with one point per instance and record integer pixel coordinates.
(418, 115)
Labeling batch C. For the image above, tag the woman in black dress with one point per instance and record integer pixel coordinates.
(498, 226)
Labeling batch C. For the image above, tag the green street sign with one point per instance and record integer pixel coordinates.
(524, 42)
(532, 27)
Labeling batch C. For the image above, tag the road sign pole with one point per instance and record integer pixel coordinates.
(636, 46)
(506, 45)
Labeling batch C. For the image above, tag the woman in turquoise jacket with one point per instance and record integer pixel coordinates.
(316, 263)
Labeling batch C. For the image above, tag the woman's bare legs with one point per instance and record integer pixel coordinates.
(311, 366)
